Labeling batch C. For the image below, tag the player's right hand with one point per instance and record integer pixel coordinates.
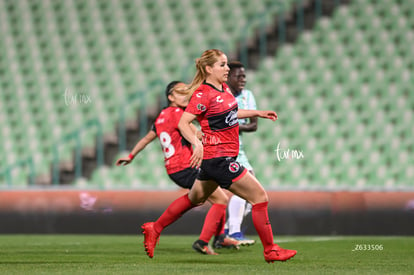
(197, 157)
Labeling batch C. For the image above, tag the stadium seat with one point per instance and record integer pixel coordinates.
(348, 104)
(334, 80)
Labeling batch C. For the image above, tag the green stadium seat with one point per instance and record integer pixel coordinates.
(324, 84)
(368, 68)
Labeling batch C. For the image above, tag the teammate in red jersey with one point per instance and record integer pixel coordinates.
(214, 106)
(177, 153)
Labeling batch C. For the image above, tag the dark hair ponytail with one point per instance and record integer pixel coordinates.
(170, 87)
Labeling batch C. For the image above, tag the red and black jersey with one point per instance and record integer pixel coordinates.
(177, 151)
(217, 114)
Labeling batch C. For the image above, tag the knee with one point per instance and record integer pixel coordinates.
(264, 196)
(222, 199)
(260, 197)
(197, 198)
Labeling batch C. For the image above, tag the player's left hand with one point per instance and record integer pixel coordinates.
(123, 161)
(268, 114)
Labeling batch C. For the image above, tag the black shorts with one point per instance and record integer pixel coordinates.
(185, 178)
(223, 170)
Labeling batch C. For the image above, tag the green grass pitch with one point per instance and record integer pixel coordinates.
(108, 254)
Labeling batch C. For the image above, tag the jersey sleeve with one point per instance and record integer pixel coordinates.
(153, 128)
(251, 102)
(199, 103)
(177, 115)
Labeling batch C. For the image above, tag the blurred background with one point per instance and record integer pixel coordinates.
(82, 80)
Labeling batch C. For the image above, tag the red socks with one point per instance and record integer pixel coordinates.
(215, 218)
(174, 211)
(214, 222)
(220, 228)
(261, 222)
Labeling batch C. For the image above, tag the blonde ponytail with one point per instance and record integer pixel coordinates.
(208, 58)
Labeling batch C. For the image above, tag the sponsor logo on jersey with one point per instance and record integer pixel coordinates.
(219, 99)
(225, 120)
(160, 120)
(199, 94)
(201, 107)
(234, 167)
(231, 118)
(211, 140)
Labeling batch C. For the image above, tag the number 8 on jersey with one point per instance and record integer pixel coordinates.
(167, 147)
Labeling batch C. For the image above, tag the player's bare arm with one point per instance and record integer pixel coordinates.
(241, 113)
(249, 127)
(141, 144)
(198, 133)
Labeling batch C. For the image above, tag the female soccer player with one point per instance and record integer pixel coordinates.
(216, 110)
(177, 153)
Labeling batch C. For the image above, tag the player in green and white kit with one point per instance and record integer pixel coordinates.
(238, 208)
